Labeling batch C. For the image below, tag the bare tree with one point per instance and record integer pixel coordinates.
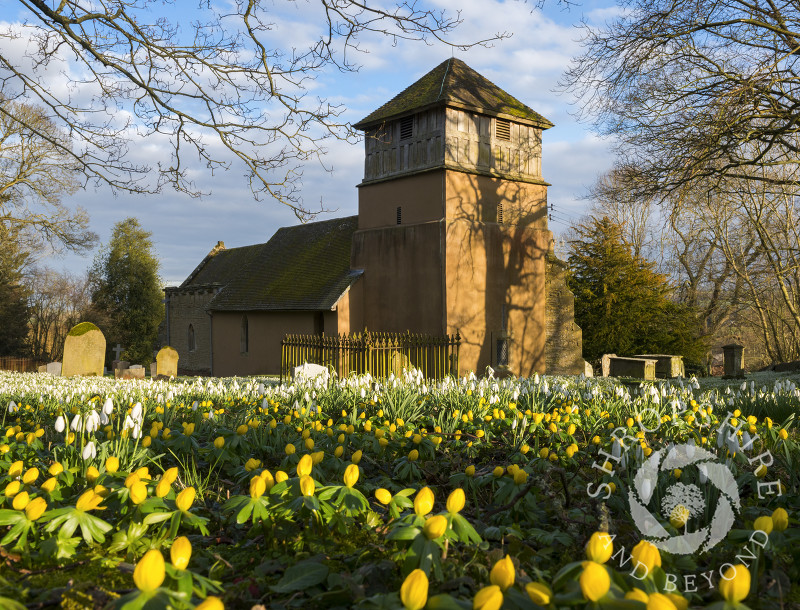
(35, 173)
(216, 88)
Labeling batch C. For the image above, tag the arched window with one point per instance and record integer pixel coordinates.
(244, 341)
(191, 339)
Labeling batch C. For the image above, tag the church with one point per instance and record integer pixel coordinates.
(451, 235)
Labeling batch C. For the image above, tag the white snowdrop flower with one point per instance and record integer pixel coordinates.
(104, 418)
(514, 424)
(616, 449)
(136, 411)
(536, 378)
(128, 423)
(647, 489)
(136, 432)
(76, 422)
(61, 423)
(12, 407)
(89, 451)
(108, 406)
(363, 393)
(92, 421)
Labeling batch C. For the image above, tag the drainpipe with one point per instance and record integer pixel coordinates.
(211, 340)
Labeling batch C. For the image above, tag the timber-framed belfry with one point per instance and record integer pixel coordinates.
(451, 237)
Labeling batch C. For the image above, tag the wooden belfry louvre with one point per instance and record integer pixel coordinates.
(377, 353)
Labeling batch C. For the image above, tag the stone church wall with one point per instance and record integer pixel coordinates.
(184, 308)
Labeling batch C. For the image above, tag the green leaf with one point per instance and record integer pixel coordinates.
(301, 576)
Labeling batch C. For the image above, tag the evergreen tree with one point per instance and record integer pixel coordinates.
(622, 305)
(126, 291)
(13, 296)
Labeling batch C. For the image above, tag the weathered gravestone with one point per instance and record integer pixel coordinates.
(605, 364)
(307, 372)
(84, 351)
(733, 355)
(667, 367)
(54, 368)
(640, 368)
(154, 369)
(42, 368)
(398, 362)
(167, 361)
(119, 366)
(135, 371)
(588, 371)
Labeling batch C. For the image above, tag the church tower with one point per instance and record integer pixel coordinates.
(452, 225)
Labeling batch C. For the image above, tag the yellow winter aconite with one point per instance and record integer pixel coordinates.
(351, 475)
(414, 590)
(645, 557)
(89, 500)
(304, 466)
(488, 598)
(600, 547)
(12, 489)
(357, 456)
(539, 593)
(150, 571)
(219, 442)
(55, 469)
(211, 603)
(35, 508)
(281, 476)
(456, 501)
(384, 496)
(637, 595)
(764, 523)
(180, 552)
(780, 519)
(735, 583)
(423, 502)
(659, 601)
(185, 499)
(21, 500)
(435, 527)
(681, 603)
(163, 487)
(138, 493)
(30, 476)
(15, 470)
(594, 580)
(49, 485)
(307, 486)
(112, 464)
(257, 487)
(502, 573)
(413, 455)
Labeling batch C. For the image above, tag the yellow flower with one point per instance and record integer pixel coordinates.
(92, 474)
(21, 500)
(659, 601)
(163, 487)
(55, 469)
(149, 572)
(89, 500)
(456, 501)
(307, 486)
(539, 593)
(269, 480)
(281, 476)
(170, 475)
(49, 485)
(423, 502)
(317, 457)
(435, 527)
(30, 476)
(15, 470)
(502, 573)
(488, 598)
(304, 466)
(219, 442)
(594, 581)
(129, 480)
(211, 602)
(338, 451)
(679, 516)
(252, 464)
(498, 472)
(138, 492)
(144, 473)
(384, 496)
(763, 523)
(185, 499)
(735, 583)
(147, 441)
(780, 519)
(600, 547)
(35, 508)
(242, 430)
(290, 449)
(637, 595)
(647, 554)
(351, 475)
(783, 434)
(414, 590)
(413, 455)
(470, 471)
(180, 552)
(520, 477)
(356, 458)
(112, 464)
(12, 489)
(681, 603)
(257, 487)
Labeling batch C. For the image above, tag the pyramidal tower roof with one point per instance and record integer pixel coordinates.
(453, 83)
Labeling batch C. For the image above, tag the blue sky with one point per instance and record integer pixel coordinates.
(528, 65)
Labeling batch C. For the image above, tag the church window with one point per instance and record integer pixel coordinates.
(245, 339)
(191, 339)
(502, 129)
(399, 215)
(407, 128)
(500, 212)
(502, 352)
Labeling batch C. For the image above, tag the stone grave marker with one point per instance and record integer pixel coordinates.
(167, 362)
(605, 364)
(135, 371)
(118, 349)
(118, 366)
(84, 351)
(154, 370)
(54, 368)
(640, 368)
(733, 356)
(42, 368)
(588, 371)
(667, 366)
(307, 372)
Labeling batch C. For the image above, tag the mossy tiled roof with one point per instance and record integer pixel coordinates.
(454, 83)
(220, 267)
(305, 267)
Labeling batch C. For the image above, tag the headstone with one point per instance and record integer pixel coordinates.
(42, 368)
(307, 372)
(167, 361)
(118, 366)
(667, 367)
(135, 371)
(84, 351)
(117, 351)
(588, 371)
(733, 356)
(154, 369)
(605, 364)
(640, 368)
(398, 362)
(54, 368)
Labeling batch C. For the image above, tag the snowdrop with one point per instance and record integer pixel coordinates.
(89, 451)
(61, 424)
